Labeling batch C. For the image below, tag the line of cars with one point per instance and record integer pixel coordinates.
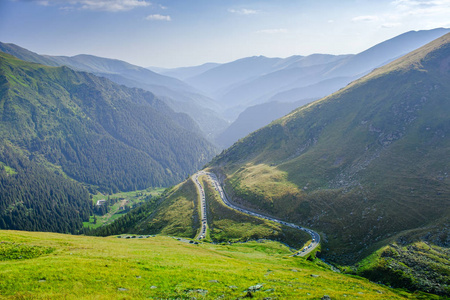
(315, 237)
(203, 229)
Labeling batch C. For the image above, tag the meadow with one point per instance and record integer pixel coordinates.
(161, 267)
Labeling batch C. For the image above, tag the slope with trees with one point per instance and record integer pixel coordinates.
(100, 133)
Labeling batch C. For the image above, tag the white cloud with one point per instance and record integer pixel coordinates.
(158, 17)
(428, 13)
(273, 31)
(243, 11)
(391, 25)
(365, 19)
(422, 7)
(98, 5)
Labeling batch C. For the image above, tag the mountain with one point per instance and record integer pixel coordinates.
(184, 73)
(253, 118)
(285, 75)
(384, 52)
(306, 77)
(300, 79)
(181, 97)
(216, 79)
(366, 166)
(97, 132)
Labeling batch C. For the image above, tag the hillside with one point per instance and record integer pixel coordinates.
(180, 96)
(253, 118)
(176, 213)
(99, 133)
(362, 165)
(35, 198)
(48, 265)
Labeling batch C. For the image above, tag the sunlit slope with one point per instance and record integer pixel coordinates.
(45, 265)
(360, 165)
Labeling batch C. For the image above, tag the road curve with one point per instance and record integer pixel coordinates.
(315, 237)
(201, 192)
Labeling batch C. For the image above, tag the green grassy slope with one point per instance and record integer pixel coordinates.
(417, 266)
(100, 133)
(361, 165)
(47, 265)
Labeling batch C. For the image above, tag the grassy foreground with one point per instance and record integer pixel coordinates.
(80, 267)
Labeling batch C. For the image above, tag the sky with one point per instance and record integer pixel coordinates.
(177, 33)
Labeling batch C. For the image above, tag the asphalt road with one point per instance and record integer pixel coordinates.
(315, 237)
(201, 192)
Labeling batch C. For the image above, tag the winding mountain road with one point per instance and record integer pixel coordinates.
(201, 192)
(315, 237)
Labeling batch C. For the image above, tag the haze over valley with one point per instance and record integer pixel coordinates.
(247, 149)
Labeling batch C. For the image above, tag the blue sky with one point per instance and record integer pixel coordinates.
(173, 33)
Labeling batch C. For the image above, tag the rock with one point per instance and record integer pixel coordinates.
(214, 281)
(255, 288)
(200, 291)
(122, 289)
(248, 295)
(326, 297)
(233, 287)
(153, 287)
(314, 275)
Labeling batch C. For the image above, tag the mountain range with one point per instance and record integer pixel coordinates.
(104, 136)
(367, 167)
(178, 95)
(214, 95)
(251, 81)
(362, 165)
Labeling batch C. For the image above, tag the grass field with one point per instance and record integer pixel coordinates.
(80, 267)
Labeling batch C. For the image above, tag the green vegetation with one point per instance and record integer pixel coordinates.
(107, 136)
(65, 133)
(13, 251)
(82, 267)
(116, 205)
(417, 266)
(36, 199)
(362, 165)
(173, 213)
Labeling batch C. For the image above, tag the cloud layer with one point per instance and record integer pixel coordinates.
(98, 5)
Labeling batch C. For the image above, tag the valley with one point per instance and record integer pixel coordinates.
(320, 176)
